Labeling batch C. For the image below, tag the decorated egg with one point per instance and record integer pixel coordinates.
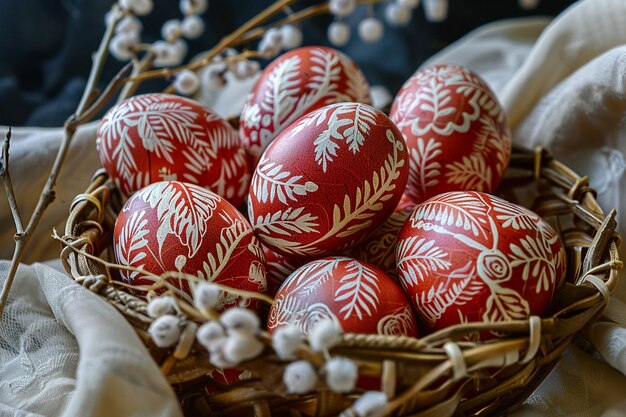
(455, 130)
(172, 226)
(162, 137)
(294, 84)
(278, 267)
(472, 257)
(357, 296)
(328, 180)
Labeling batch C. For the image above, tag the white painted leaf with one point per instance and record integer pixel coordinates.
(182, 210)
(130, 248)
(359, 289)
(458, 288)
(465, 211)
(536, 261)
(272, 182)
(286, 222)
(420, 259)
(505, 304)
(470, 174)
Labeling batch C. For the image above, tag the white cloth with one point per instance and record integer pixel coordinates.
(562, 87)
(65, 352)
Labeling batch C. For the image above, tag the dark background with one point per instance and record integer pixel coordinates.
(46, 45)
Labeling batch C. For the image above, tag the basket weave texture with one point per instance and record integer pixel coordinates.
(440, 374)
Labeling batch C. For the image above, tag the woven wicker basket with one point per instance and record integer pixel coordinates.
(440, 374)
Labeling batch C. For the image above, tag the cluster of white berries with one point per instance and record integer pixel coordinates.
(169, 51)
(166, 328)
(370, 29)
(232, 339)
(301, 376)
(340, 373)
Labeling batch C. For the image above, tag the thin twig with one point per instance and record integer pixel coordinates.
(99, 59)
(5, 174)
(116, 83)
(142, 65)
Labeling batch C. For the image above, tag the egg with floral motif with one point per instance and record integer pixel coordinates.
(473, 257)
(176, 227)
(294, 84)
(327, 181)
(163, 137)
(456, 132)
(357, 296)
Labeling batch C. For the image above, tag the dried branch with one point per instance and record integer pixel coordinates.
(5, 174)
(47, 195)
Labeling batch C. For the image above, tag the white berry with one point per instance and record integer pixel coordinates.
(286, 341)
(436, 10)
(189, 7)
(160, 306)
(243, 69)
(211, 335)
(206, 296)
(371, 30)
(240, 320)
(181, 48)
(371, 404)
(273, 36)
(192, 27)
(268, 49)
(129, 24)
(324, 335)
(171, 29)
(219, 360)
(300, 377)
(528, 4)
(187, 82)
(339, 33)
(165, 330)
(397, 15)
(122, 46)
(241, 347)
(342, 8)
(291, 36)
(214, 77)
(380, 96)
(138, 7)
(341, 374)
(166, 54)
(111, 15)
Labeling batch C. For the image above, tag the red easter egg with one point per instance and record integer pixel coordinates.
(357, 296)
(294, 84)
(472, 257)
(279, 267)
(175, 226)
(328, 180)
(162, 137)
(455, 130)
